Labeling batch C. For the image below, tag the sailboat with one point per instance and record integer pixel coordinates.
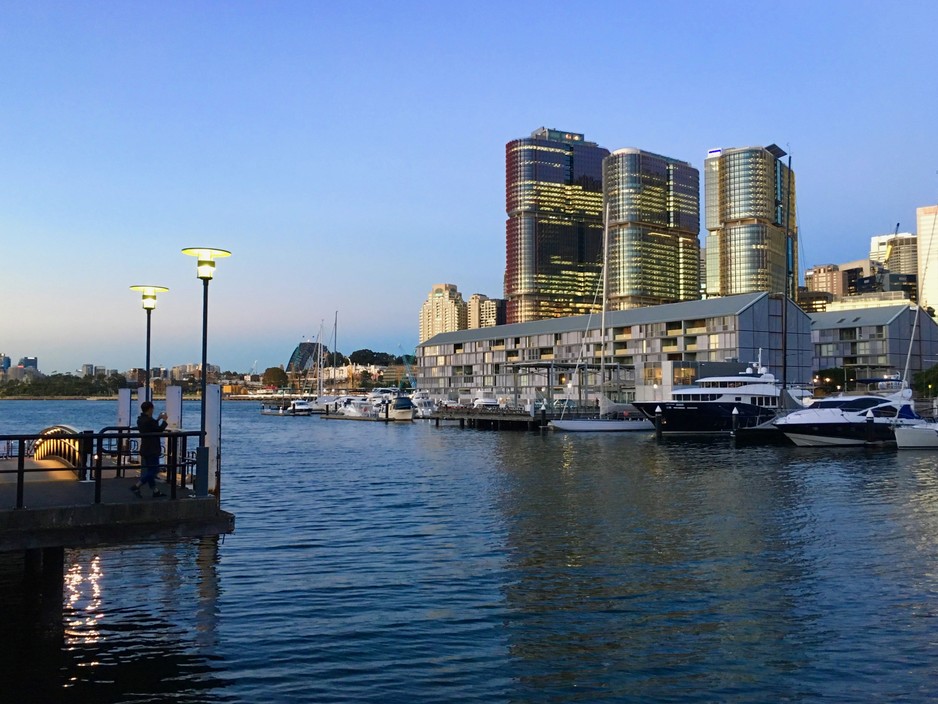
(611, 418)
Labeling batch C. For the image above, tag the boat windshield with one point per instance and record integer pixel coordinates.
(848, 404)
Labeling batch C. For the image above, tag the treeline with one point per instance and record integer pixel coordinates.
(63, 385)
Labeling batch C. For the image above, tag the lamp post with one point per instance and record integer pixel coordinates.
(149, 305)
(206, 268)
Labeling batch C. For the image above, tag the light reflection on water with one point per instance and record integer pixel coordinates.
(416, 563)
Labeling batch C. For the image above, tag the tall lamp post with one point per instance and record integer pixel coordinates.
(206, 268)
(149, 305)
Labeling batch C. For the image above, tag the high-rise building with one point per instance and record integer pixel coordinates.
(897, 252)
(484, 312)
(825, 278)
(554, 202)
(443, 311)
(752, 240)
(927, 225)
(654, 219)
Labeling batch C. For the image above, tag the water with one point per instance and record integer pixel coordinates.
(410, 563)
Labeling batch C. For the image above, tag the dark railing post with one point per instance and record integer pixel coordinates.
(97, 473)
(86, 447)
(20, 472)
(171, 464)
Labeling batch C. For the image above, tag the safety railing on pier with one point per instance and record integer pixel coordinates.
(89, 455)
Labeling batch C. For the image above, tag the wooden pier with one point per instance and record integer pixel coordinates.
(489, 419)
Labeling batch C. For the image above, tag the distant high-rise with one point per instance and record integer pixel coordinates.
(554, 202)
(897, 252)
(749, 196)
(484, 312)
(443, 311)
(654, 220)
(927, 225)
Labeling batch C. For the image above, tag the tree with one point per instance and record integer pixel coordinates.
(275, 376)
(363, 357)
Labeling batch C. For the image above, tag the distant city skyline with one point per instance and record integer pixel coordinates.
(351, 157)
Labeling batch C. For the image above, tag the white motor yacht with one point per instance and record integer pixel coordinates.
(850, 420)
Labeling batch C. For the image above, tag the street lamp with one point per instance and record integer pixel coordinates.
(206, 268)
(149, 304)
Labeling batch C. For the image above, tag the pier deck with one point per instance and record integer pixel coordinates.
(60, 511)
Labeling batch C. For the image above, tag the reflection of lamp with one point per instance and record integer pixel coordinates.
(149, 304)
(206, 269)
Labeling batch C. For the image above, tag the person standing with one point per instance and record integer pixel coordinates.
(150, 448)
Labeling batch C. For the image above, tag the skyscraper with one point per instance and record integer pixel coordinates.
(443, 311)
(554, 202)
(749, 200)
(927, 231)
(654, 220)
(896, 252)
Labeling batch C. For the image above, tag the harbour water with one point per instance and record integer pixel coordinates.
(413, 563)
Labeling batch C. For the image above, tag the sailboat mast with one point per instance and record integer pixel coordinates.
(605, 294)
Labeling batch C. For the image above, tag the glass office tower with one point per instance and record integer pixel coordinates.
(654, 221)
(554, 202)
(749, 200)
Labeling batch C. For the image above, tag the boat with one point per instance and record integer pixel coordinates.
(920, 436)
(851, 420)
(609, 419)
(293, 407)
(624, 423)
(424, 405)
(375, 407)
(718, 405)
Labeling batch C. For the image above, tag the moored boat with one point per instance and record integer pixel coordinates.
(851, 420)
(921, 436)
(620, 424)
(721, 404)
(293, 407)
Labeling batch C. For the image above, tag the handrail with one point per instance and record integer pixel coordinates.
(84, 452)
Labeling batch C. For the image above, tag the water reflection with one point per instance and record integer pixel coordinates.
(695, 568)
(140, 624)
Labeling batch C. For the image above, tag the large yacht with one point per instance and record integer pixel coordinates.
(718, 405)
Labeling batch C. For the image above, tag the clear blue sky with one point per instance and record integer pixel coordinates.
(351, 154)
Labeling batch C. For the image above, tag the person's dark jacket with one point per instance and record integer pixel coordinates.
(150, 445)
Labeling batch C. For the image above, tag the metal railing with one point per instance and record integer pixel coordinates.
(88, 455)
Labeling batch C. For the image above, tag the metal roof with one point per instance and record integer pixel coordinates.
(858, 317)
(708, 308)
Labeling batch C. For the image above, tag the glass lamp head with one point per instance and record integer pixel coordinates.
(206, 259)
(149, 294)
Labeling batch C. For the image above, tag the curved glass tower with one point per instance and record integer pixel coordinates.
(554, 202)
(654, 221)
(748, 192)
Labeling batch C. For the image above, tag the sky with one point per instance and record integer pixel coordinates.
(352, 154)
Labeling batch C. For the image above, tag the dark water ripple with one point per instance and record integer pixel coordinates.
(413, 563)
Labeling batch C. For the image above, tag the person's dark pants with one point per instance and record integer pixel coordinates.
(149, 469)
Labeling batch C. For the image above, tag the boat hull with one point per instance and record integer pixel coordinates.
(917, 437)
(705, 418)
(839, 434)
(603, 425)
